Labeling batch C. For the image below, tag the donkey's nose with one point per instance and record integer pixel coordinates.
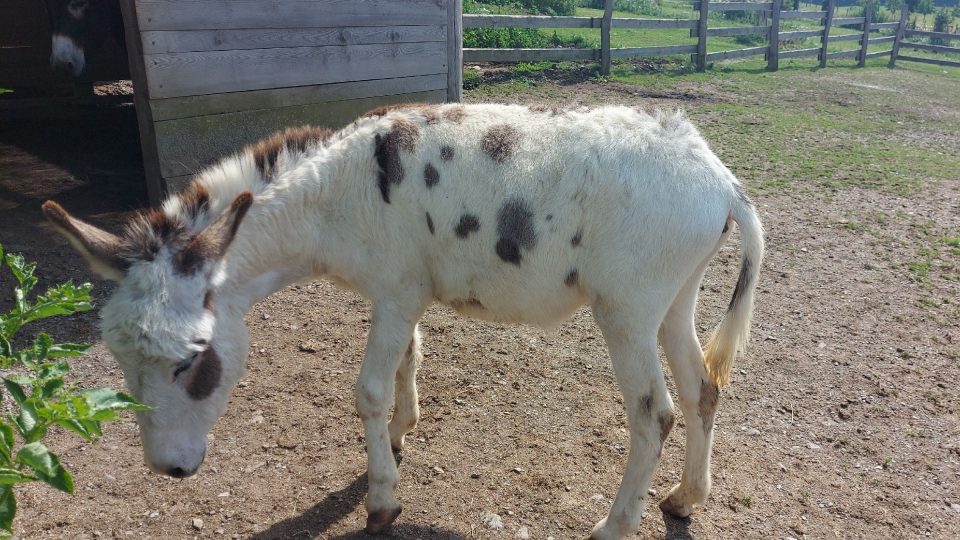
(179, 472)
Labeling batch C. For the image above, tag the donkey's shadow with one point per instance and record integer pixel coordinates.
(334, 507)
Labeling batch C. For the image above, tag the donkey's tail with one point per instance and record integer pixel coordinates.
(732, 332)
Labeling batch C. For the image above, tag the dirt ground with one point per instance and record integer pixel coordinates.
(841, 420)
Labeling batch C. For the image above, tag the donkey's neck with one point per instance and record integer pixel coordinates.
(302, 181)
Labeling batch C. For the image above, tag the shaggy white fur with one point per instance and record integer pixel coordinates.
(503, 212)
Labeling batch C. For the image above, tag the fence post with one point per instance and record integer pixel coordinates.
(455, 51)
(605, 25)
(702, 35)
(773, 53)
(830, 6)
(865, 41)
(901, 28)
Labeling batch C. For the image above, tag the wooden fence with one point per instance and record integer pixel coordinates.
(699, 29)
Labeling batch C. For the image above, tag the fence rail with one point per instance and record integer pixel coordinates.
(699, 29)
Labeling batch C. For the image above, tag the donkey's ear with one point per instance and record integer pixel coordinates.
(100, 248)
(212, 243)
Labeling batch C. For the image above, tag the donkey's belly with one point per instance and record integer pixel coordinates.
(539, 302)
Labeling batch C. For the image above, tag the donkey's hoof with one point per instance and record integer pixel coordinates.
(602, 532)
(675, 509)
(381, 520)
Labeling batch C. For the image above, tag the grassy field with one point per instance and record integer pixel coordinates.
(808, 132)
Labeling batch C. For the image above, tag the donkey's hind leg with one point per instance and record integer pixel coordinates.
(698, 397)
(697, 394)
(631, 335)
(406, 410)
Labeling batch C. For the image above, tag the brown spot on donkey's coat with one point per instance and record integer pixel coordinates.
(294, 140)
(500, 142)
(707, 406)
(446, 153)
(404, 135)
(430, 175)
(428, 111)
(468, 224)
(206, 375)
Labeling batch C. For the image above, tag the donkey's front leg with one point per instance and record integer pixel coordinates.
(389, 337)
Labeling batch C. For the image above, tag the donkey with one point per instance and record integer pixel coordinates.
(505, 213)
(79, 27)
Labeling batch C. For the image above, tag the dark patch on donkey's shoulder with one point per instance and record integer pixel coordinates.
(572, 279)
(206, 375)
(515, 230)
(446, 152)
(500, 142)
(404, 135)
(468, 223)
(430, 223)
(430, 175)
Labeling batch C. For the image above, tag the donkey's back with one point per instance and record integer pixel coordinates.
(520, 214)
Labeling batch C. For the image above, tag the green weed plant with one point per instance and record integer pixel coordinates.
(33, 377)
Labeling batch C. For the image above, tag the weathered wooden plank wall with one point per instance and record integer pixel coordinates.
(218, 74)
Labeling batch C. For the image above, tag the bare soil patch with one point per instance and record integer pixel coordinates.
(841, 421)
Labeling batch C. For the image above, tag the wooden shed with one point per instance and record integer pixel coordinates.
(210, 76)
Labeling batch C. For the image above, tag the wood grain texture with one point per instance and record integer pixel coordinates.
(455, 51)
(735, 31)
(643, 52)
(933, 61)
(865, 41)
(802, 34)
(845, 37)
(737, 53)
(802, 14)
(741, 6)
(847, 21)
(926, 47)
(185, 107)
(655, 23)
(702, 32)
(187, 145)
(800, 53)
(904, 14)
(141, 99)
(773, 38)
(853, 53)
(924, 33)
(223, 14)
(211, 72)
(175, 41)
(829, 7)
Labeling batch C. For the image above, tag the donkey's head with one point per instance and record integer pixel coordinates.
(178, 354)
(80, 26)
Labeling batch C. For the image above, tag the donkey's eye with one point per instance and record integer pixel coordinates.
(184, 365)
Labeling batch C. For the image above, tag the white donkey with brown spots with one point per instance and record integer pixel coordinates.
(503, 212)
